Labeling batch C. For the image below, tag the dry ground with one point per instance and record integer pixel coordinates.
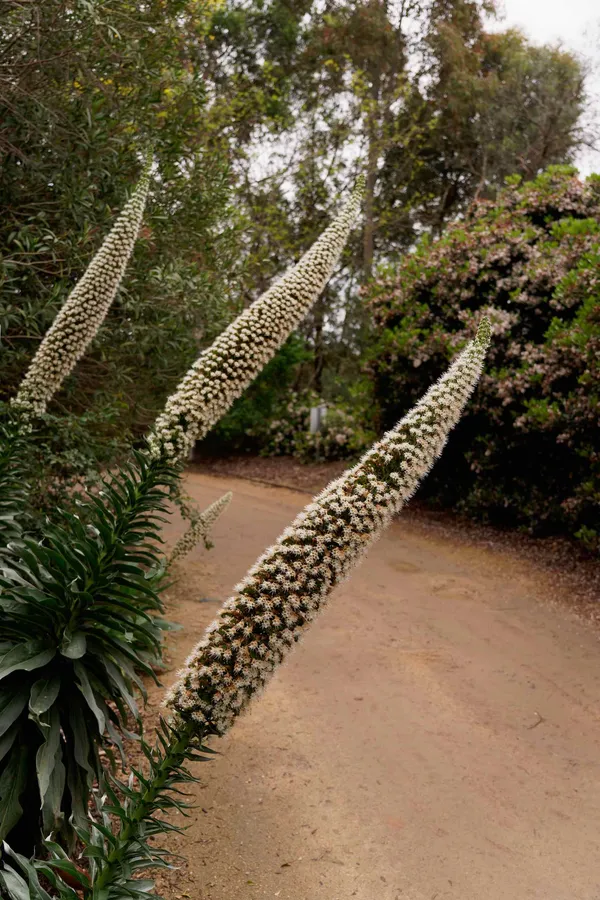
(436, 735)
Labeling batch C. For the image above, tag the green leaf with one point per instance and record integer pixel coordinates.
(65, 865)
(8, 740)
(106, 832)
(79, 791)
(86, 689)
(96, 852)
(51, 807)
(27, 656)
(74, 647)
(48, 754)
(81, 741)
(12, 784)
(142, 885)
(15, 886)
(11, 706)
(119, 681)
(43, 694)
(55, 849)
(37, 891)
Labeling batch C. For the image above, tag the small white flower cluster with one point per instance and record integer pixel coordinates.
(222, 373)
(200, 528)
(79, 319)
(290, 582)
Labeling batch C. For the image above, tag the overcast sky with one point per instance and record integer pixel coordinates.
(576, 24)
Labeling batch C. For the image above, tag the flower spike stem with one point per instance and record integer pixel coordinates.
(144, 805)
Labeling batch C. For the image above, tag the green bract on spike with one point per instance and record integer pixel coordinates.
(79, 319)
(292, 580)
(200, 528)
(223, 372)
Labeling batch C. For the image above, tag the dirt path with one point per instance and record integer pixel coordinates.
(436, 735)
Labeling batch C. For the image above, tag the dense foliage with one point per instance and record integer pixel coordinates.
(278, 102)
(528, 451)
(340, 435)
(78, 616)
(430, 104)
(84, 89)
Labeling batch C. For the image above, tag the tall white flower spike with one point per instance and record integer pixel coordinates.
(85, 309)
(290, 582)
(200, 528)
(223, 372)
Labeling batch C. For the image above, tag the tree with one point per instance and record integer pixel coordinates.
(495, 106)
(415, 92)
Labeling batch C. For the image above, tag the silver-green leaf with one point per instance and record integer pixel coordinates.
(48, 754)
(28, 656)
(43, 694)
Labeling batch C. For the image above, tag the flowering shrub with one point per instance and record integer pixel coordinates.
(232, 362)
(340, 436)
(527, 451)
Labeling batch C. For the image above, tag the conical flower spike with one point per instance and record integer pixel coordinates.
(223, 372)
(200, 528)
(292, 580)
(79, 319)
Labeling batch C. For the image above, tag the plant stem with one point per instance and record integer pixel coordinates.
(142, 809)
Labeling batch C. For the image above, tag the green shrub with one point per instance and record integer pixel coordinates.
(66, 452)
(113, 78)
(243, 427)
(13, 491)
(340, 435)
(78, 616)
(527, 453)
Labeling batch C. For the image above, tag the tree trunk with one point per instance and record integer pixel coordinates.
(369, 232)
(319, 356)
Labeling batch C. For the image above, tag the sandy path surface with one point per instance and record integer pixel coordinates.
(436, 735)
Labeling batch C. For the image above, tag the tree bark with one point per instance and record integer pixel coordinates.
(319, 355)
(371, 179)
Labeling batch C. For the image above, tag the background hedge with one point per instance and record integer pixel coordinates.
(527, 452)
